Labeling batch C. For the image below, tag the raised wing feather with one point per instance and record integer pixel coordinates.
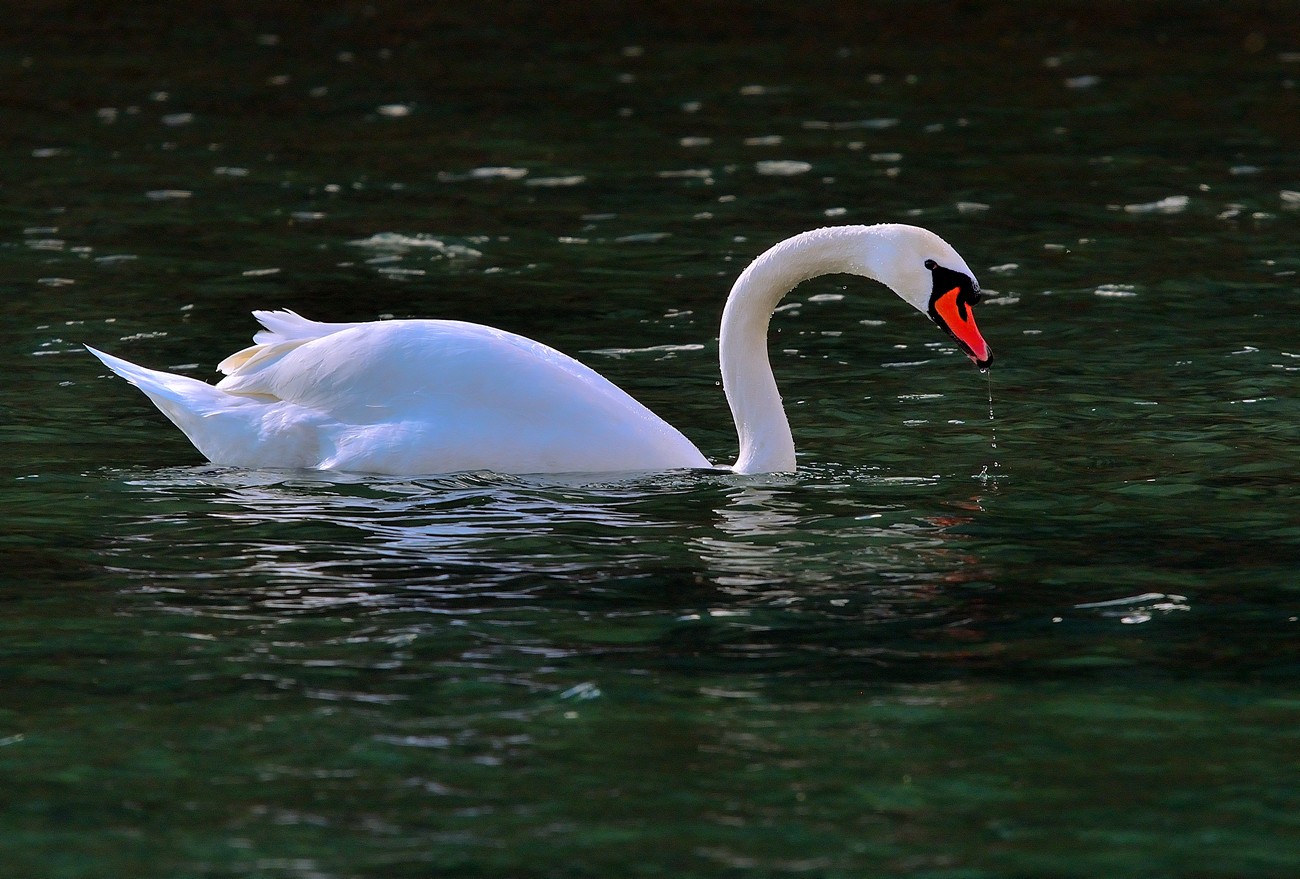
(282, 332)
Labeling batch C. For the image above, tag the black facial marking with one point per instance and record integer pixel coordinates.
(944, 280)
(967, 294)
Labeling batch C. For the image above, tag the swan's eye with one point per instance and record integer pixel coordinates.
(946, 279)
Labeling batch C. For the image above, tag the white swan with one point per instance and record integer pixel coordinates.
(410, 397)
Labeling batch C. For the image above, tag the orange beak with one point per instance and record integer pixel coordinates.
(955, 314)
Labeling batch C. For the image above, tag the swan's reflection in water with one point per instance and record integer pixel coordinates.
(452, 607)
(340, 526)
(655, 550)
(846, 565)
(753, 530)
(477, 533)
(825, 531)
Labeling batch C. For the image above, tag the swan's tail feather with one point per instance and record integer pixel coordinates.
(187, 402)
(166, 389)
(230, 429)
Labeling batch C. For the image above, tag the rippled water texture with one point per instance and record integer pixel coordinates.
(1040, 623)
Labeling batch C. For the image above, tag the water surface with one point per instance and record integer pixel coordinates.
(1057, 642)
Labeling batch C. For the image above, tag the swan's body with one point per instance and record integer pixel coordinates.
(409, 397)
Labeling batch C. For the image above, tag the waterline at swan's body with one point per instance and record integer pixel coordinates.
(410, 397)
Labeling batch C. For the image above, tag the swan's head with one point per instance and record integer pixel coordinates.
(925, 271)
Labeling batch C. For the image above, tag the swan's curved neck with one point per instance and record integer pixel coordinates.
(766, 445)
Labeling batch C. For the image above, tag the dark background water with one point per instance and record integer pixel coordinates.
(1058, 642)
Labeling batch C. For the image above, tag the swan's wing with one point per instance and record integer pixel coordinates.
(367, 371)
(413, 397)
(465, 386)
(282, 332)
(286, 325)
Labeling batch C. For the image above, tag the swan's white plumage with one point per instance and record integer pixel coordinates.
(409, 397)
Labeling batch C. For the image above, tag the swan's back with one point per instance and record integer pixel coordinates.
(419, 396)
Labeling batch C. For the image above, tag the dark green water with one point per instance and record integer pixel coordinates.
(1058, 642)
